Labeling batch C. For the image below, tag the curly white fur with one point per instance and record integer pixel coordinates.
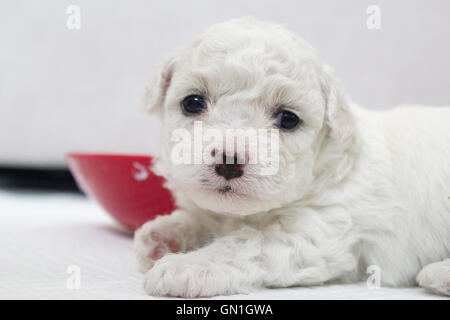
(355, 188)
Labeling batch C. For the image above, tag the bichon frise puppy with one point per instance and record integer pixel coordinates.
(350, 188)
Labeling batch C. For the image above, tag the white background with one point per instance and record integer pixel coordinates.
(64, 90)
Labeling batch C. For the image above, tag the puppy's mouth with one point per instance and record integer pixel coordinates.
(225, 189)
(221, 189)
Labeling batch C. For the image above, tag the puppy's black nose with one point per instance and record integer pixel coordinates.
(230, 168)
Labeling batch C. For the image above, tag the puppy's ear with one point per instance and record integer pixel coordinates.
(338, 116)
(155, 92)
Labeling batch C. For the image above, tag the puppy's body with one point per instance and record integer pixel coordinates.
(410, 181)
(355, 188)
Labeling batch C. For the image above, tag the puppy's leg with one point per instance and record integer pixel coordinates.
(178, 232)
(436, 277)
(246, 259)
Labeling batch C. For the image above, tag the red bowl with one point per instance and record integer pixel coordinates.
(124, 186)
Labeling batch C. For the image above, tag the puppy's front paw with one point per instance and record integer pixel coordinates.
(154, 240)
(190, 276)
(436, 277)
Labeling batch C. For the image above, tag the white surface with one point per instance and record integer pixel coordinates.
(41, 234)
(63, 90)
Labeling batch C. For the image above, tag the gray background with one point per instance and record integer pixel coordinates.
(63, 90)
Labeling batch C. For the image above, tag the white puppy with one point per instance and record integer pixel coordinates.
(354, 188)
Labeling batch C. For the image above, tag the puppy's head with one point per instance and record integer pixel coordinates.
(242, 79)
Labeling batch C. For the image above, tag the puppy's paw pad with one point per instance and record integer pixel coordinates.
(173, 245)
(152, 242)
(157, 253)
(155, 236)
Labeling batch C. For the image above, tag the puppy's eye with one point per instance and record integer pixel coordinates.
(287, 120)
(194, 104)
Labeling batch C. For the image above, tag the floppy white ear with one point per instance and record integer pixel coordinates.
(339, 117)
(155, 92)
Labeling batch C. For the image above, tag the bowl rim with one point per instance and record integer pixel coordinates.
(105, 155)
